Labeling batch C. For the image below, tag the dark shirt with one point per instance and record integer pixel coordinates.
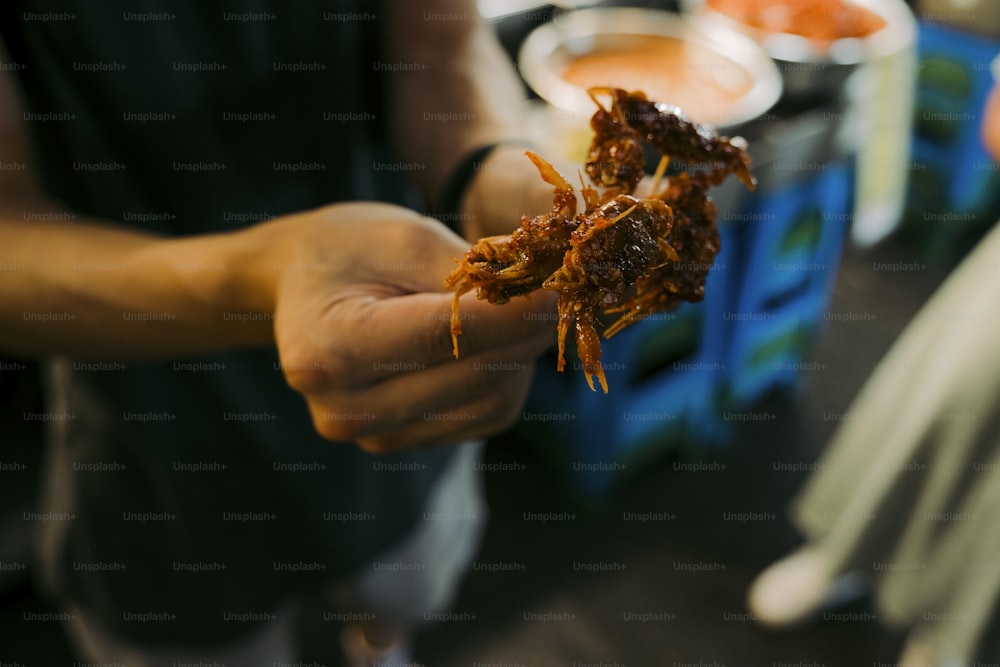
(196, 489)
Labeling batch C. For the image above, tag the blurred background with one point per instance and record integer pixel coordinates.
(626, 527)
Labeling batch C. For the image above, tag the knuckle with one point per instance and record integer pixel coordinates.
(435, 337)
(480, 380)
(377, 445)
(339, 426)
(333, 431)
(309, 373)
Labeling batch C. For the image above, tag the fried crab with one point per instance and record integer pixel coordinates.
(625, 257)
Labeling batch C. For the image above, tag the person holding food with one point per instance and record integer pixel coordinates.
(906, 501)
(204, 235)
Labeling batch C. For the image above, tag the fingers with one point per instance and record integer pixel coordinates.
(425, 433)
(368, 343)
(391, 381)
(379, 338)
(472, 397)
(482, 418)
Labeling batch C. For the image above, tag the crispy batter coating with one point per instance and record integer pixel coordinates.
(624, 256)
(621, 243)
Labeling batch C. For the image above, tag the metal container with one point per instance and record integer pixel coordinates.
(813, 69)
(872, 79)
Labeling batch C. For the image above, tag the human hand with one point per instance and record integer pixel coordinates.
(508, 181)
(362, 328)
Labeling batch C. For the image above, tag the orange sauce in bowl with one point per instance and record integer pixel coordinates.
(695, 78)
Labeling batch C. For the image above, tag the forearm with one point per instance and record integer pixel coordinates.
(94, 290)
(506, 187)
(461, 93)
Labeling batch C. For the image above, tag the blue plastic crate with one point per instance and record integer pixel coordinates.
(769, 347)
(588, 437)
(952, 85)
(674, 377)
(663, 375)
(794, 236)
(953, 188)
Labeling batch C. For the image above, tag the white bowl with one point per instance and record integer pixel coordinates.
(722, 61)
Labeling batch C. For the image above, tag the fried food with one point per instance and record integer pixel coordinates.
(624, 256)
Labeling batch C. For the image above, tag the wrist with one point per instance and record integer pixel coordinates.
(234, 276)
(505, 187)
